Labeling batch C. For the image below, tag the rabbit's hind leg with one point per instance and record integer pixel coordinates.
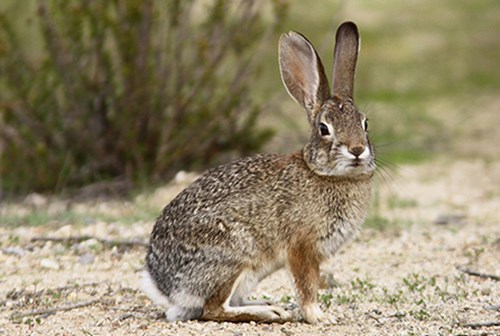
(219, 307)
(246, 283)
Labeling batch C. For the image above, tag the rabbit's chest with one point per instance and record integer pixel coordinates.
(337, 219)
(337, 232)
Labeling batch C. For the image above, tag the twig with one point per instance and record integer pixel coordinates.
(79, 239)
(481, 324)
(54, 310)
(492, 307)
(478, 274)
(16, 294)
(397, 315)
(75, 286)
(374, 317)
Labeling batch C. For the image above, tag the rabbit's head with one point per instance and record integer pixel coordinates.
(339, 143)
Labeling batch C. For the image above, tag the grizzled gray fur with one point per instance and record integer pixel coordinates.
(241, 221)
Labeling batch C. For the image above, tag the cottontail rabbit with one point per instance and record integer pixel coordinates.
(240, 222)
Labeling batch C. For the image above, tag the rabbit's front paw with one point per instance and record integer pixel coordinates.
(314, 315)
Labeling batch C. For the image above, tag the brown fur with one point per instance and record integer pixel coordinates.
(242, 221)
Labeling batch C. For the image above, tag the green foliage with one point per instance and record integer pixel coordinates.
(286, 299)
(364, 286)
(420, 78)
(40, 217)
(325, 299)
(416, 282)
(64, 214)
(130, 89)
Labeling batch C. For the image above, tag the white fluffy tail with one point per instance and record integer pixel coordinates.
(151, 289)
(183, 307)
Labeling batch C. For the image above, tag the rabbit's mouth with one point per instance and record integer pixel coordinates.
(356, 163)
(339, 162)
(358, 167)
(348, 164)
(346, 167)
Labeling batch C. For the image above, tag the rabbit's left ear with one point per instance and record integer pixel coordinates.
(302, 73)
(344, 60)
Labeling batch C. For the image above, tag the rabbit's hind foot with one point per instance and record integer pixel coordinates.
(228, 304)
(265, 314)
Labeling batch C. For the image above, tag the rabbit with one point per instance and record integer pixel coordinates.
(241, 221)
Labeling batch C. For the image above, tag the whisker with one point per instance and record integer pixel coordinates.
(385, 176)
(389, 171)
(398, 143)
(388, 165)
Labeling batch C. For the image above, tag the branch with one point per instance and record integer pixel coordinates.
(74, 286)
(481, 324)
(54, 310)
(79, 239)
(478, 274)
(496, 307)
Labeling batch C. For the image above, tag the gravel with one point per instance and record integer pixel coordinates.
(407, 279)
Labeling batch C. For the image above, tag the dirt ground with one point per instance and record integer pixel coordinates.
(413, 278)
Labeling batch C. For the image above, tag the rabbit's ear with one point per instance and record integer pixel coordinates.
(345, 57)
(302, 72)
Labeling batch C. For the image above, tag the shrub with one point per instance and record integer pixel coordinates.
(132, 89)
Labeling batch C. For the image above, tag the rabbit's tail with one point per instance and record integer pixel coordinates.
(178, 307)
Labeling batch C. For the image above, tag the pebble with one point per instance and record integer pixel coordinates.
(36, 200)
(450, 219)
(14, 250)
(49, 264)
(64, 232)
(89, 245)
(183, 177)
(86, 259)
(486, 290)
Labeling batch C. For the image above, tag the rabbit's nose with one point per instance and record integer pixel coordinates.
(356, 149)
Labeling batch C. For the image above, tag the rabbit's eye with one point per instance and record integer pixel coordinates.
(323, 129)
(365, 124)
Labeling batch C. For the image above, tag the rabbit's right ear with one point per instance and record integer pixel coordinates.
(302, 72)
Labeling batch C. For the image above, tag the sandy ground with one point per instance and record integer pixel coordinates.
(441, 219)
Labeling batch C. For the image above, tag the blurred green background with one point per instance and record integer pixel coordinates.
(428, 77)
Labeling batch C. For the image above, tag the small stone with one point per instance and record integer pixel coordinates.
(450, 219)
(49, 264)
(89, 244)
(486, 290)
(36, 200)
(64, 232)
(86, 259)
(16, 251)
(183, 177)
(287, 332)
